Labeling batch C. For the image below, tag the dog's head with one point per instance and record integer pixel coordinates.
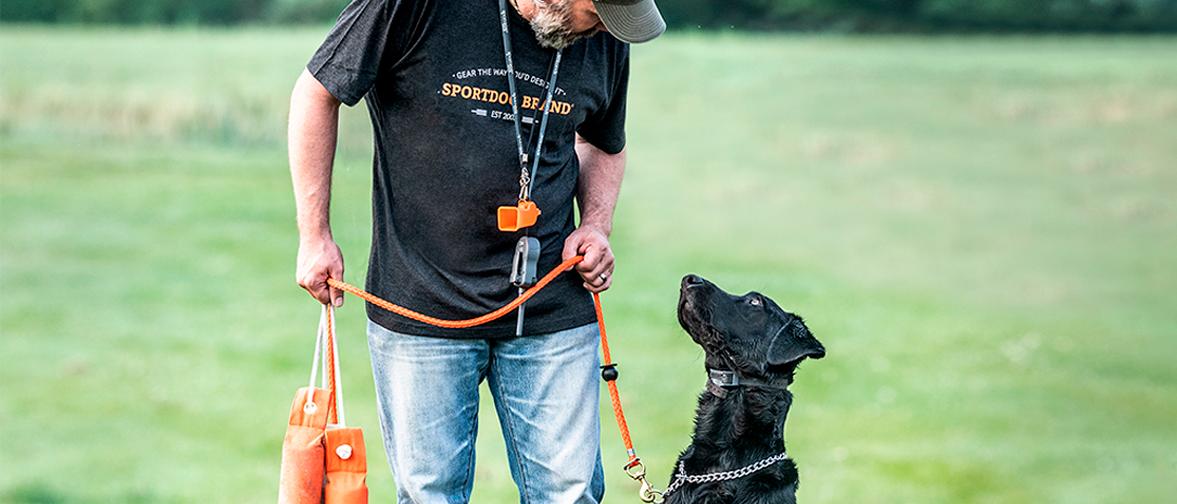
(749, 334)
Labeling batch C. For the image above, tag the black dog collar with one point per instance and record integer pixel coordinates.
(720, 380)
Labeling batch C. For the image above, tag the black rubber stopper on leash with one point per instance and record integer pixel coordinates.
(609, 372)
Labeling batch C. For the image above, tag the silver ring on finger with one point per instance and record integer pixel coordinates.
(604, 276)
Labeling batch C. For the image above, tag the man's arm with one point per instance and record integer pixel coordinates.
(600, 182)
(314, 123)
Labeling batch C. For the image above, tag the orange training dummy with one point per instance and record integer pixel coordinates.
(323, 460)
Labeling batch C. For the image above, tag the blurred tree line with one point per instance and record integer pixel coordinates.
(841, 15)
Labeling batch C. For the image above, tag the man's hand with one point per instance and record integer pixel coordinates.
(318, 260)
(597, 267)
(600, 180)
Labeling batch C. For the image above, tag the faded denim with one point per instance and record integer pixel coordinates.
(545, 392)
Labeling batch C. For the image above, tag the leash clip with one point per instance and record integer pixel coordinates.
(525, 263)
(646, 493)
(637, 471)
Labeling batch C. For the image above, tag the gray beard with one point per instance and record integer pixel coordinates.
(551, 24)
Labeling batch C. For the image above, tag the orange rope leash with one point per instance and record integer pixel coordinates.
(633, 460)
(622, 425)
(459, 324)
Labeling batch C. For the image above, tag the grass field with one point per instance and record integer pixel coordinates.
(983, 232)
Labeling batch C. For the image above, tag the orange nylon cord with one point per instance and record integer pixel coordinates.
(459, 324)
(329, 370)
(614, 396)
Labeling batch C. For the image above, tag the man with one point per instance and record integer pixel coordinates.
(447, 154)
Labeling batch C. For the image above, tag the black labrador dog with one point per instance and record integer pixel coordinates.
(753, 347)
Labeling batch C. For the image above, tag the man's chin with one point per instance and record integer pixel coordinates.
(551, 25)
(558, 40)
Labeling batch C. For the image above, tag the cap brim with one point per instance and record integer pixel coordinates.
(634, 23)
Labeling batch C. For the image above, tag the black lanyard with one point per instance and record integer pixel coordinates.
(526, 176)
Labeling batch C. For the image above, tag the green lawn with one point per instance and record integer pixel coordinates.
(982, 231)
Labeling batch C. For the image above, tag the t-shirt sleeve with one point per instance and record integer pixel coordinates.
(605, 128)
(354, 53)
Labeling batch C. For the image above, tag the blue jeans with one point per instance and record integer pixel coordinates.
(545, 391)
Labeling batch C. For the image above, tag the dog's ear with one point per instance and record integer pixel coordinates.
(792, 343)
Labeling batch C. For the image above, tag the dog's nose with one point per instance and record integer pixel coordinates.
(819, 353)
(690, 280)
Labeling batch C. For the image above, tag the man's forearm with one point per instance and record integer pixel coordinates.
(600, 183)
(314, 123)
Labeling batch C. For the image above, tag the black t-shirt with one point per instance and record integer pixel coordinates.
(433, 76)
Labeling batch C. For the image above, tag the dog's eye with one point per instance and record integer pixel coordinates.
(755, 301)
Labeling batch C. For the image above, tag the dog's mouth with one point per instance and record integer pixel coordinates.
(791, 366)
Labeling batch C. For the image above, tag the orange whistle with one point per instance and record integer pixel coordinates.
(514, 218)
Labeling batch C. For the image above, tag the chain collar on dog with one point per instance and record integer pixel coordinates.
(720, 380)
(681, 477)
